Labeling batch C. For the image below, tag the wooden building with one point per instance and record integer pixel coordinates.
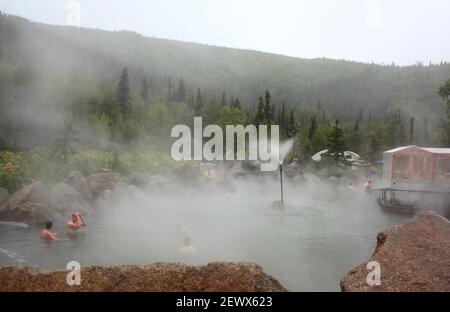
(417, 168)
(417, 176)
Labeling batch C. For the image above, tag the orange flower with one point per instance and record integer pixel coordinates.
(9, 166)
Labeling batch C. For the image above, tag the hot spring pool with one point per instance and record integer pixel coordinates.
(308, 247)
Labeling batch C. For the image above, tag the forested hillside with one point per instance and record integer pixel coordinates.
(51, 71)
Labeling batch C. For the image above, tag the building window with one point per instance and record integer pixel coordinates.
(417, 165)
(443, 166)
(401, 164)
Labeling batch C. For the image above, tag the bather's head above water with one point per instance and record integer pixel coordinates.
(186, 241)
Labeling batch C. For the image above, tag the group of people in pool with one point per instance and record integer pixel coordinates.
(75, 223)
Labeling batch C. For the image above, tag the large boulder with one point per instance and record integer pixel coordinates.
(217, 276)
(66, 200)
(4, 196)
(29, 205)
(76, 180)
(99, 182)
(125, 190)
(187, 175)
(413, 256)
(138, 179)
(159, 181)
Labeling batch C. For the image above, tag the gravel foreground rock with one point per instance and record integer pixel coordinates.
(413, 256)
(216, 276)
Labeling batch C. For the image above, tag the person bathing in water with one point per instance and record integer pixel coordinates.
(368, 186)
(47, 234)
(187, 249)
(76, 222)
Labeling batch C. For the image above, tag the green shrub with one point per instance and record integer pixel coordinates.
(19, 169)
(11, 176)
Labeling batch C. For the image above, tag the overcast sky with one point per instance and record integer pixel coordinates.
(400, 31)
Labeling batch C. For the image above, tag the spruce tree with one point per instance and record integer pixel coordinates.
(356, 139)
(198, 103)
(291, 125)
(64, 144)
(336, 143)
(123, 94)
(374, 148)
(312, 128)
(401, 135)
(144, 93)
(411, 131)
(444, 93)
(268, 115)
(181, 91)
(259, 118)
(223, 102)
(236, 104)
(169, 90)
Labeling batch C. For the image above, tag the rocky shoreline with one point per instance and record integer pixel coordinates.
(37, 202)
(413, 256)
(215, 276)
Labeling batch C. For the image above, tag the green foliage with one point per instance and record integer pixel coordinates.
(291, 125)
(63, 146)
(231, 116)
(198, 103)
(372, 101)
(145, 90)
(211, 112)
(123, 94)
(11, 171)
(336, 143)
(444, 92)
(151, 163)
(19, 169)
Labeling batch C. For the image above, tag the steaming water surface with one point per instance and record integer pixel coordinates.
(323, 233)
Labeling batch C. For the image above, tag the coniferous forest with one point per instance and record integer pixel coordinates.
(72, 89)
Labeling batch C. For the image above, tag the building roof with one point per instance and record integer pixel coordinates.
(433, 150)
(437, 150)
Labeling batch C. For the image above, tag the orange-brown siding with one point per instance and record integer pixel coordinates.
(418, 164)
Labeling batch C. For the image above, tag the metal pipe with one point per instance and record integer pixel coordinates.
(281, 183)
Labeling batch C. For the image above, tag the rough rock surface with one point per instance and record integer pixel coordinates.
(4, 196)
(66, 200)
(125, 191)
(187, 175)
(413, 256)
(29, 204)
(76, 180)
(217, 276)
(99, 182)
(138, 179)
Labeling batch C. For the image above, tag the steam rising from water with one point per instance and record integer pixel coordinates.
(325, 231)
